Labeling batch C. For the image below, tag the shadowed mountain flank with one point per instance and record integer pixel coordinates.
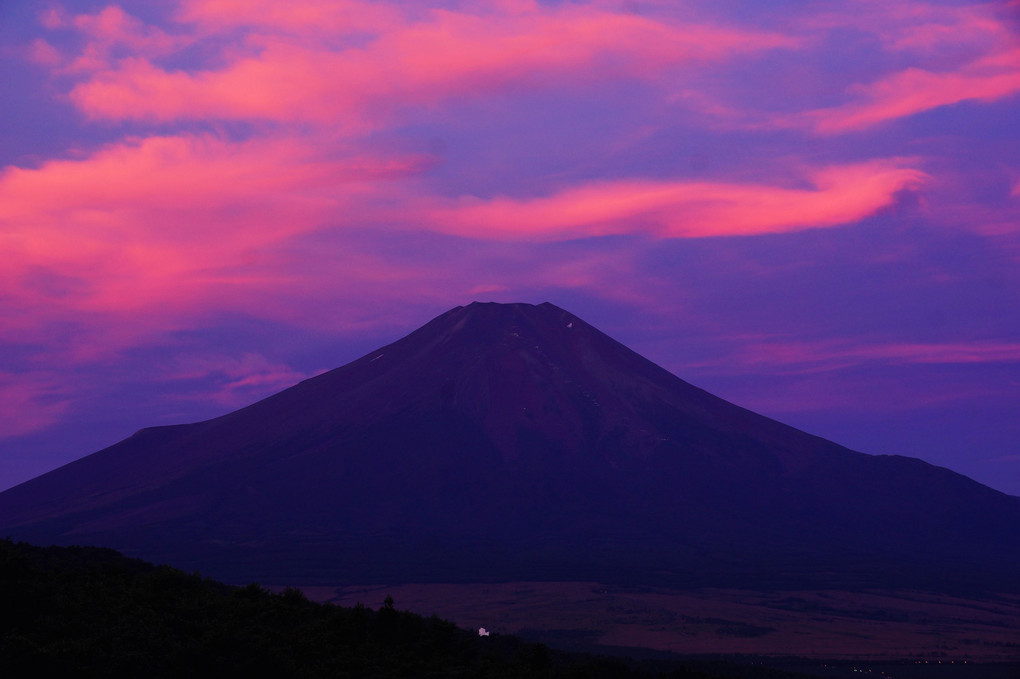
(517, 442)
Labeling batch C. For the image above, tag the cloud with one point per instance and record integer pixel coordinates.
(141, 206)
(162, 226)
(914, 91)
(919, 27)
(113, 26)
(965, 53)
(838, 194)
(43, 53)
(286, 67)
(108, 33)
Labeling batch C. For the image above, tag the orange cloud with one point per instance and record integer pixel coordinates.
(685, 209)
(417, 58)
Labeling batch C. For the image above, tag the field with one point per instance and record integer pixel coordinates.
(833, 625)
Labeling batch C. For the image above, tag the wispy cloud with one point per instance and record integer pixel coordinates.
(289, 67)
(958, 54)
(686, 209)
(914, 91)
(919, 27)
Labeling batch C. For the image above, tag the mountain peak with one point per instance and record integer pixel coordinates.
(505, 314)
(516, 441)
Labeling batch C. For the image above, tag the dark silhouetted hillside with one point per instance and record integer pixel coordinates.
(87, 612)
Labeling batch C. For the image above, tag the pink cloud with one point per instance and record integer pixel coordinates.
(113, 29)
(685, 209)
(250, 185)
(964, 26)
(914, 91)
(161, 227)
(418, 60)
(44, 54)
(960, 53)
(920, 27)
(113, 26)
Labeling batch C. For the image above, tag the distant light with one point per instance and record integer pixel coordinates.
(482, 632)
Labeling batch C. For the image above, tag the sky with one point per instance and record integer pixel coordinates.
(810, 209)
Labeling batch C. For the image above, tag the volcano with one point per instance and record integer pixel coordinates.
(516, 442)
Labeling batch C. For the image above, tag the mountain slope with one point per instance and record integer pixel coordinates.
(511, 441)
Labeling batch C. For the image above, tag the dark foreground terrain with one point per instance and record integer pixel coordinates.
(825, 625)
(90, 612)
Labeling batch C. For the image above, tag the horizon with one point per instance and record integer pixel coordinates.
(810, 212)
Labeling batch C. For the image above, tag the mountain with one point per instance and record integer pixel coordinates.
(517, 442)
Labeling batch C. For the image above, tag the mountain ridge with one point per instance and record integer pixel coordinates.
(515, 441)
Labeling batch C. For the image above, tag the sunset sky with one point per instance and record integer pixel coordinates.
(811, 209)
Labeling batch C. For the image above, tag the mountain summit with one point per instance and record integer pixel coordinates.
(517, 442)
